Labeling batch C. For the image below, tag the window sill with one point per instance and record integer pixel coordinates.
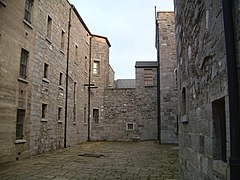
(60, 87)
(23, 80)
(20, 141)
(44, 120)
(62, 52)
(45, 80)
(74, 123)
(48, 40)
(28, 24)
(3, 3)
(60, 122)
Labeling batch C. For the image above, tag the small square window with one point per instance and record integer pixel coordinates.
(130, 126)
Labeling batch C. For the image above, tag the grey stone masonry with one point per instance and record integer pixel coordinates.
(203, 94)
(168, 86)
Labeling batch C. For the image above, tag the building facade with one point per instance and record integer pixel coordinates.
(208, 96)
(48, 56)
(168, 120)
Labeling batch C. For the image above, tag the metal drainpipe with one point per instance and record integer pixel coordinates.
(232, 89)
(89, 88)
(158, 80)
(67, 69)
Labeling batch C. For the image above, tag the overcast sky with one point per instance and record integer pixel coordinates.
(129, 26)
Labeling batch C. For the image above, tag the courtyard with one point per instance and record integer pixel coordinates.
(99, 160)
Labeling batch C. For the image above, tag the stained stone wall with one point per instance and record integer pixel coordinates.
(202, 83)
(168, 86)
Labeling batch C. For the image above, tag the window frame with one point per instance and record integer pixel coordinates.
(49, 27)
(96, 119)
(21, 114)
(44, 110)
(96, 70)
(28, 10)
(23, 64)
(130, 129)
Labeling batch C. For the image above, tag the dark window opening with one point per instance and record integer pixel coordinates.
(44, 110)
(184, 100)
(96, 115)
(19, 124)
(45, 73)
(60, 79)
(219, 130)
(28, 10)
(23, 64)
(49, 27)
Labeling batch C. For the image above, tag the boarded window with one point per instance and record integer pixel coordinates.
(28, 10)
(96, 67)
(148, 77)
(96, 115)
(19, 124)
(60, 79)
(219, 131)
(23, 64)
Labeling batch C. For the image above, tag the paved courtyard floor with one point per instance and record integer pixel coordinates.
(99, 160)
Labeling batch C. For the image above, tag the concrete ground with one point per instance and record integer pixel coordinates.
(99, 160)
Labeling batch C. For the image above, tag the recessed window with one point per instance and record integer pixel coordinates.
(74, 101)
(23, 64)
(183, 102)
(44, 111)
(96, 67)
(28, 10)
(219, 131)
(62, 40)
(130, 126)
(59, 113)
(20, 123)
(49, 27)
(45, 70)
(96, 115)
(85, 114)
(148, 77)
(76, 52)
(60, 79)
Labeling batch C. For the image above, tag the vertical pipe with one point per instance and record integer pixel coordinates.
(89, 87)
(232, 89)
(158, 79)
(67, 69)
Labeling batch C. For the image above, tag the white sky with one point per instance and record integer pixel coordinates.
(129, 26)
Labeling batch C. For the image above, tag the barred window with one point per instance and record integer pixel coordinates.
(23, 64)
(28, 10)
(96, 115)
(19, 124)
(148, 77)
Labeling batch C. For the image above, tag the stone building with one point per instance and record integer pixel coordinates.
(208, 89)
(48, 56)
(130, 113)
(166, 49)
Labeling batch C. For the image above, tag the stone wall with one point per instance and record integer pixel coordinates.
(203, 93)
(168, 87)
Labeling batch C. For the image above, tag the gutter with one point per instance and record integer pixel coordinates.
(89, 89)
(67, 77)
(233, 90)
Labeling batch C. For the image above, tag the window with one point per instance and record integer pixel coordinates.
(23, 64)
(86, 63)
(19, 125)
(49, 27)
(183, 106)
(44, 111)
(60, 79)
(59, 113)
(74, 101)
(219, 131)
(148, 77)
(85, 114)
(45, 71)
(62, 40)
(28, 10)
(96, 115)
(130, 126)
(76, 52)
(96, 68)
